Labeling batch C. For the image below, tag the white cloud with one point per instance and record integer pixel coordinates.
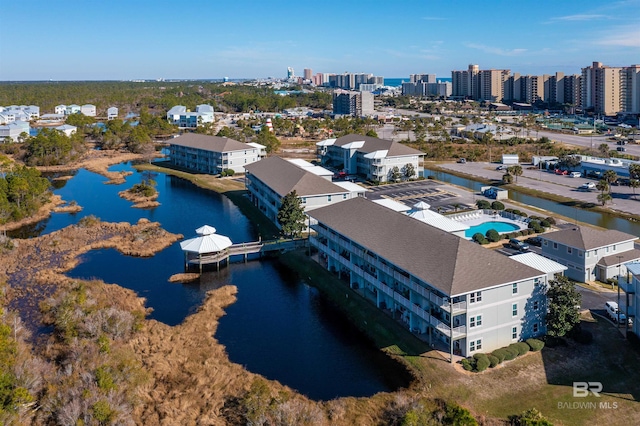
(621, 36)
(496, 50)
(579, 17)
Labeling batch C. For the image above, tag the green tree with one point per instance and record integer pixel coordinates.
(268, 139)
(634, 171)
(291, 215)
(372, 133)
(610, 176)
(602, 186)
(409, 171)
(395, 175)
(603, 149)
(563, 300)
(515, 170)
(507, 178)
(604, 198)
(530, 417)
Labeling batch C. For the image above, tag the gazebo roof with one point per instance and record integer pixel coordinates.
(210, 243)
(206, 230)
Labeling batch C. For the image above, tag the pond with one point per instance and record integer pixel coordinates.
(279, 326)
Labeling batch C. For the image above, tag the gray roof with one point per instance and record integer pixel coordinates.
(209, 143)
(283, 177)
(372, 144)
(625, 256)
(588, 238)
(449, 263)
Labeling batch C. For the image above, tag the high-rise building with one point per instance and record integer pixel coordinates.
(355, 103)
(290, 73)
(308, 73)
(631, 89)
(601, 89)
(465, 84)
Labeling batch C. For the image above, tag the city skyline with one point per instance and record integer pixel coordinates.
(75, 40)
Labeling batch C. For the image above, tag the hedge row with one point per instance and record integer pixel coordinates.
(480, 362)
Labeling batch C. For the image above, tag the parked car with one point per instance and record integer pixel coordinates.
(462, 160)
(502, 167)
(575, 174)
(562, 172)
(612, 311)
(621, 149)
(587, 186)
(534, 241)
(516, 244)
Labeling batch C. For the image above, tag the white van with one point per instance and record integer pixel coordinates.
(612, 311)
(575, 174)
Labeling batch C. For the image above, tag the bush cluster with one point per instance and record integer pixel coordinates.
(497, 205)
(228, 172)
(479, 238)
(483, 204)
(480, 362)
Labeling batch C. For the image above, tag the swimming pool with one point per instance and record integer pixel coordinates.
(501, 227)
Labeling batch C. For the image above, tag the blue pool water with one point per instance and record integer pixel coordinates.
(484, 227)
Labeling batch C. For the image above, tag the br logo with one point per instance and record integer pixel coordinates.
(582, 389)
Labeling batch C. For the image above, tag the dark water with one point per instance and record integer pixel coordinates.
(594, 218)
(279, 327)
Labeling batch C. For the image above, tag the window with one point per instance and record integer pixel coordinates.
(514, 333)
(569, 250)
(535, 305)
(579, 253)
(475, 297)
(475, 345)
(545, 242)
(329, 198)
(475, 321)
(514, 310)
(535, 327)
(514, 288)
(555, 246)
(344, 196)
(304, 200)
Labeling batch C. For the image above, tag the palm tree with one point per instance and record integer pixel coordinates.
(603, 198)
(515, 170)
(610, 176)
(604, 149)
(602, 186)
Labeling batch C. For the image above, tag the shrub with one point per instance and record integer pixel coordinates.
(231, 172)
(466, 364)
(482, 363)
(510, 353)
(551, 220)
(493, 236)
(497, 205)
(535, 344)
(479, 238)
(493, 360)
(500, 354)
(523, 233)
(545, 224)
(522, 347)
(483, 204)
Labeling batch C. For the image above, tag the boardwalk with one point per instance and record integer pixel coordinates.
(242, 249)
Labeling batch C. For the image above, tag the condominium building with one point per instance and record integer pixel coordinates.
(589, 253)
(88, 109)
(213, 154)
(269, 180)
(630, 283)
(371, 158)
(308, 73)
(449, 291)
(355, 103)
(180, 116)
(477, 84)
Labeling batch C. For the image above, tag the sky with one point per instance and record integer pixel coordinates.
(212, 39)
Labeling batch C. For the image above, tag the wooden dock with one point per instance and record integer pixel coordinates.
(242, 249)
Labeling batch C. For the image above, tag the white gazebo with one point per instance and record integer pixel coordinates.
(208, 247)
(421, 211)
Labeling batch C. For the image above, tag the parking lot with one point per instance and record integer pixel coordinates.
(439, 196)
